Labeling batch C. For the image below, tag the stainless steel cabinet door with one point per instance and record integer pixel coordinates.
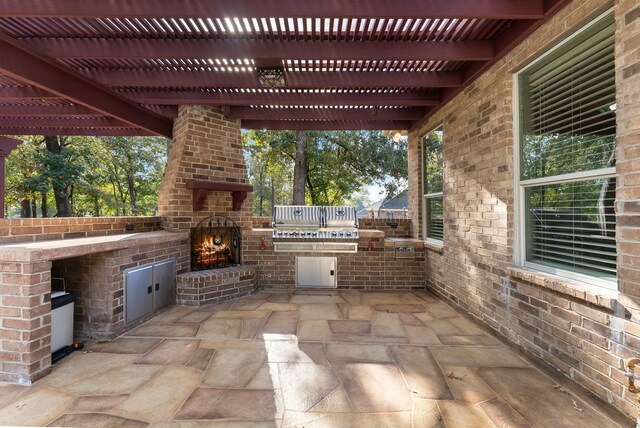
(164, 277)
(316, 272)
(138, 292)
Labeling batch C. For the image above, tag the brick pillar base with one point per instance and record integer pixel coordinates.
(25, 310)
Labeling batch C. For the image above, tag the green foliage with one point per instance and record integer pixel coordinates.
(106, 175)
(340, 164)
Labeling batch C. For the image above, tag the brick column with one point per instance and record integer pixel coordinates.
(206, 147)
(628, 147)
(25, 311)
(415, 184)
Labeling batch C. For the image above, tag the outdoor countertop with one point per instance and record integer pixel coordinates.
(66, 248)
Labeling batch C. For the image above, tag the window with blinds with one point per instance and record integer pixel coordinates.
(433, 224)
(567, 157)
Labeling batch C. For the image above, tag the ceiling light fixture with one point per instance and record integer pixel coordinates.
(271, 77)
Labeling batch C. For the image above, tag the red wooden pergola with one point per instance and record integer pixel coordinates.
(120, 67)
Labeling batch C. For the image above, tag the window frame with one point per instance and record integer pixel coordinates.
(433, 195)
(520, 186)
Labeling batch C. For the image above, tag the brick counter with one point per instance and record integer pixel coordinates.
(370, 268)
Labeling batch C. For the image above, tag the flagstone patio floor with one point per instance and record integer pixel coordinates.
(304, 359)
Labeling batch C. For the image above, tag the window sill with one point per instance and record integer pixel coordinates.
(598, 297)
(438, 248)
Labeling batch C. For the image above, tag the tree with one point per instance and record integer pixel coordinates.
(338, 163)
(61, 171)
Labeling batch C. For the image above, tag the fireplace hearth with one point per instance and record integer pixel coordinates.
(215, 244)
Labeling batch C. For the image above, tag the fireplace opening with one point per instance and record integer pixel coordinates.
(215, 244)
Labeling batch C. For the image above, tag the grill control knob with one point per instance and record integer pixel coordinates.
(279, 233)
(315, 233)
(348, 233)
(334, 234)
(294, 233)
(341, 234)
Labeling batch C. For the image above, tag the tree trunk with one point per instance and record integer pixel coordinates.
(43, 205)
(55, 145)
(273, 195)
(261, 198)
(25, 208)
(300, 169)
(34, 209)
(131, 184)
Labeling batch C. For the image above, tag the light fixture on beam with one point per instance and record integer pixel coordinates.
(396, 134)
(271, 77)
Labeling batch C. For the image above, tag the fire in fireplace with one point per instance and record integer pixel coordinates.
(215, 243)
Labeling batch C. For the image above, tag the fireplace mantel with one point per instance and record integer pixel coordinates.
(201, 188)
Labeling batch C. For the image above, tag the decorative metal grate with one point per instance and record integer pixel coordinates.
(215, 244)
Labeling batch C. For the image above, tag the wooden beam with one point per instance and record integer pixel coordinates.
(477, 9)
(33, 110)
(200, 189)
(25, 92)
(22, 65)
(62, 122)
(60, 130)
(294, 79)
(327, 125)
(367, 114)
(284, 99)
(108, 48)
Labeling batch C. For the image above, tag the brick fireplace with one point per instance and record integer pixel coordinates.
(206, 176)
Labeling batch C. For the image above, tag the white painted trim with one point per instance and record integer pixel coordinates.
(568, 178)
(437, 242)
(426, 196)
(589, 281)
(433, 195)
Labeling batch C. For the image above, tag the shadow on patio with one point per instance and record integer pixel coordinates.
(303, 358)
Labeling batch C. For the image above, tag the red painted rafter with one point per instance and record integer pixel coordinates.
(328, 125)
(62, 122)
(24, 92)
(283, 99)
(294, 79)
(70, 48)
(44, 74)
(45, 110)
(367, 114)
(476, 9)
(61, 130)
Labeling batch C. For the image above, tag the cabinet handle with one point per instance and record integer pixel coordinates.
(149, 289)
(332, 272)
(157, 286)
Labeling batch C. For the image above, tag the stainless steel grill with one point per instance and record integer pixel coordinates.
(315, 229)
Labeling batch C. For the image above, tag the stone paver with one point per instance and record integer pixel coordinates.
(312, 358)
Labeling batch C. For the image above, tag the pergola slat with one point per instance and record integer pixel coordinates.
(45, 110)
(124, 48)
(367, 114)
(477, 9)
(326, 125)
(283, 99)
(295, 79)
(75, 131)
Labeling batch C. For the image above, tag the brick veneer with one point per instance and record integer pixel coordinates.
(206, 146)
(97, 281)
(25, 311)
(216, 285)
(39, 229)
(581, 333)
(367, 269)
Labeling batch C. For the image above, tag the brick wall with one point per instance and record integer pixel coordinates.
(216, 285)
(581, 333)
(367, 269)
(39, 229)
(97, 281)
